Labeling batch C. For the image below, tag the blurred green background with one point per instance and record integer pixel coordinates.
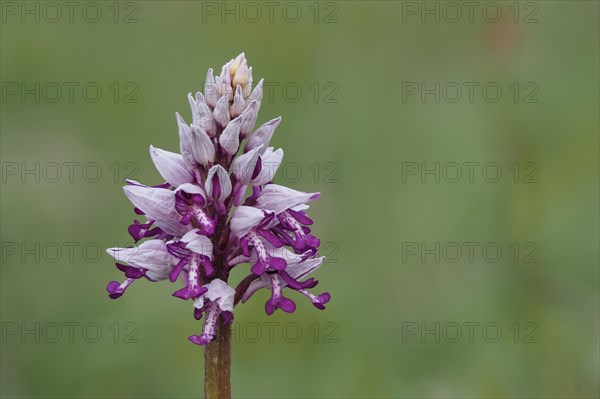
(351, 132)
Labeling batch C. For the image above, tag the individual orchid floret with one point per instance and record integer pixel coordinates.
(196, 145)
(221, 112)
(270, 161)
(239, 103)
(255, 169)
(202, 115)
(159, 205)
(211, 91)
(247, 166)
(193, 251)
(224, 82)
(282, 201)
(279, 198)
(230, 138)
(151, 259)
(289, 278)
(217, 301)
(257, 93)
(171, 167)
(249, 118)
(217, 209)
(190, 203)
(262, 136)
(252, 227)
(218, 187)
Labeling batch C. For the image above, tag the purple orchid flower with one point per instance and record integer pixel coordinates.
(219, 209)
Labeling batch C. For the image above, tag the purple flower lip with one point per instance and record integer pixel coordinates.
(218, 209)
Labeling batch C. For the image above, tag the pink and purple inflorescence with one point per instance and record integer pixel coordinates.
(219, 209)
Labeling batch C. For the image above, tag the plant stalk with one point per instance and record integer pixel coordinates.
(217, 364)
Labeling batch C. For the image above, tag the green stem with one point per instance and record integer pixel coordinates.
(217, 364)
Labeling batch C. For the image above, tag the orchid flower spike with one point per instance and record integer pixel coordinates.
(218, 208)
